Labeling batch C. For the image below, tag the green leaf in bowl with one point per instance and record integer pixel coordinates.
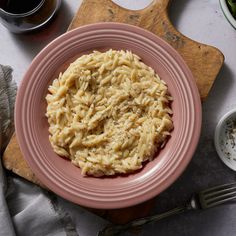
(232, 7)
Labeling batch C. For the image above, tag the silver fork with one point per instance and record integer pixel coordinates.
(205, 199)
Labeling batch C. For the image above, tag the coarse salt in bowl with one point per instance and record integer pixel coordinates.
(225, 139)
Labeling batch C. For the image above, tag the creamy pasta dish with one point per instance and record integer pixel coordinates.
(108, 113)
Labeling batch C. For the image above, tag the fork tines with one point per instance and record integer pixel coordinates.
(217, 195)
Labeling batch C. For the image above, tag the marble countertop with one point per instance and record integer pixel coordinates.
(203, 21)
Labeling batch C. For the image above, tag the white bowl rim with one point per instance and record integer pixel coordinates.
(217, 136)
(227, 13)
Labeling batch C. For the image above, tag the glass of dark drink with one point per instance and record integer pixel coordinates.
(20, 16)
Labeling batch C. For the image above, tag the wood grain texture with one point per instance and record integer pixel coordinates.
(13, 160)
(204, 61)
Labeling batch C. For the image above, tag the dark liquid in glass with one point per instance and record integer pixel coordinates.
(18, 6)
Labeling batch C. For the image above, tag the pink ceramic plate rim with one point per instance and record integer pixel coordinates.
(136, 190)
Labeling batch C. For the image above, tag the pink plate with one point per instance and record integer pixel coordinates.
(59, 174)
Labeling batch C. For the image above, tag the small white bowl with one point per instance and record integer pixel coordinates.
(225, 139)
(227, 13)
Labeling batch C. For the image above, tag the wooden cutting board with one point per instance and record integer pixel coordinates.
(203, 60)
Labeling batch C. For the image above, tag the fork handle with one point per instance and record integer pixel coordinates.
(117, 229)
(155, 218)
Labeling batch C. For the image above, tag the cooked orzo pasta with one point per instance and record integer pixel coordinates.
(108, 113)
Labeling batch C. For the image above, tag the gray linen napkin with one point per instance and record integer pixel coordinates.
(25, 209)
(7, 98)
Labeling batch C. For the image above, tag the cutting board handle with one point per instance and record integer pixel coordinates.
(203, 60)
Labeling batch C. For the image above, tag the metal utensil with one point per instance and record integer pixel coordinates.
(207, 198)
